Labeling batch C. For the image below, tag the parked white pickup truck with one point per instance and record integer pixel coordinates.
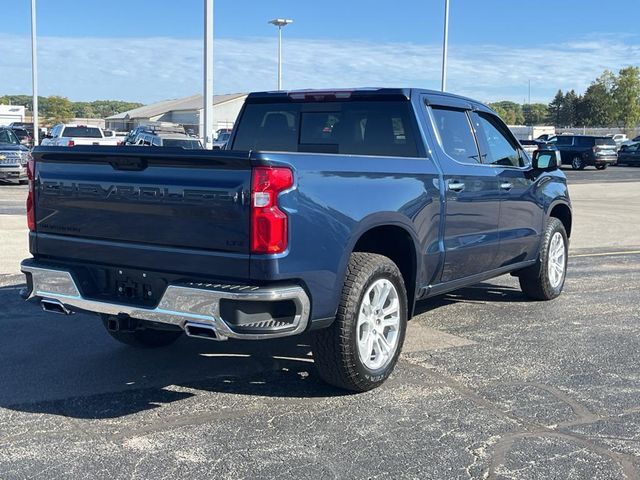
(68, 135)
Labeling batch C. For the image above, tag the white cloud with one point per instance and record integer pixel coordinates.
(151, 69)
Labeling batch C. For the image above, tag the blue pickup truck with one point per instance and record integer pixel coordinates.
(329, 212)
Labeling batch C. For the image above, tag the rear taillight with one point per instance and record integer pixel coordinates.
(31, 213)
(70, 143)
(269, 224)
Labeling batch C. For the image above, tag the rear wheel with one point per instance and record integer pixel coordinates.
(577, 163)
(23, 182)
(602, 166)
(143, 337)
(545, 279)
(360, 349)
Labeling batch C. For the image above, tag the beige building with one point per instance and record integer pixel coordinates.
(186, 111)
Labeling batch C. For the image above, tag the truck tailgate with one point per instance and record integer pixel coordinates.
(146, 207)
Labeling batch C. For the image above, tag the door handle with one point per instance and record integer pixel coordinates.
(506, 186)
(455, 186)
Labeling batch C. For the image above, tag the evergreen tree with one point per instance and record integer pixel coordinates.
(555, 108)
(568, 110)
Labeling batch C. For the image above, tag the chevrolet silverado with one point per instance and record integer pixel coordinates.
(328, 212)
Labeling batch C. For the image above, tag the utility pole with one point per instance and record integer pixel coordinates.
(445, 46)
(34, 74)
(207, 135)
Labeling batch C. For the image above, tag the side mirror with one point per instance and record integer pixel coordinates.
(546, 160)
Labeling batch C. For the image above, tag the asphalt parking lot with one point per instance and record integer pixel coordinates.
(489, 386)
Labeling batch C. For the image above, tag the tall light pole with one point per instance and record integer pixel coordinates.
(208, 75)
(280, 22)
(34, 74)
(445, 46)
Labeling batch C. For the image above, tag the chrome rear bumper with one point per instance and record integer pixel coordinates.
(193, 303)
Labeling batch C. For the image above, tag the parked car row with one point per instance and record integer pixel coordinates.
(579, 151)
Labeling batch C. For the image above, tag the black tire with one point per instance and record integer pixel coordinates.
(602, 166)
(534, 280)
(144, 337)
(335, 348)
(577, 163)
(23, 182)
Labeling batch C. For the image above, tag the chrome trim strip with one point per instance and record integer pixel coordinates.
(179, 304)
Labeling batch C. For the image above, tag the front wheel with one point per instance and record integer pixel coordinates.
(360, 349)
(545, 279)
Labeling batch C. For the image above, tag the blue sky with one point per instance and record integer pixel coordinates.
(147, 50)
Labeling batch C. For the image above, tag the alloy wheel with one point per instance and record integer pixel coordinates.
(378, 324)
(557, 260)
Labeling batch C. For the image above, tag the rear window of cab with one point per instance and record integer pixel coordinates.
(375, 128)
(82, 132)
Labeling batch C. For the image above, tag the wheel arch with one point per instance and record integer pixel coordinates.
(394, 239)
(562, 211)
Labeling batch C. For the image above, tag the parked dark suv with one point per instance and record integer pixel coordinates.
(629, 154)
(581, 151)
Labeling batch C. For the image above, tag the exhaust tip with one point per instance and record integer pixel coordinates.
(201, 330)
(54, 306)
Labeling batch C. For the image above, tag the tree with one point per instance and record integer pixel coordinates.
(83, 110)
(57, 110)
(596, 107)
(510, 112)
(106, 108)
(534, 113)
(555, 108)
(626, 95)
(568, 110)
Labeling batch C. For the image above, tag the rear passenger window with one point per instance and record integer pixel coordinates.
(498, 147)
(456, 135)
(564, 140)
(584, 142)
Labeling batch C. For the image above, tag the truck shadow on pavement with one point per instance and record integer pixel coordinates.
(480, 293)
(70, 366)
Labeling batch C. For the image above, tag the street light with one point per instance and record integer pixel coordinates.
(280, 22)
(34, 74)
(445, 46)
(207, 109)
